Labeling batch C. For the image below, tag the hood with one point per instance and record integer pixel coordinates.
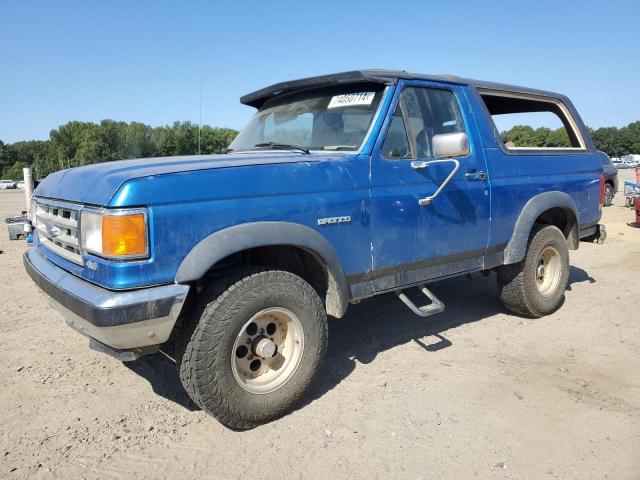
(96, 184)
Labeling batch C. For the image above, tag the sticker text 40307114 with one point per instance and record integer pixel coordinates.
(351, 99)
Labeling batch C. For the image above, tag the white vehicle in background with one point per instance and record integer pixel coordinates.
(7, 185)
(20, 185)
(632, 160)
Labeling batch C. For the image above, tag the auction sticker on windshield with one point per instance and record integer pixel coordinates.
(351, 99)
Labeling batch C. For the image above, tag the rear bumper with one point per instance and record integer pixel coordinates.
(121, 320)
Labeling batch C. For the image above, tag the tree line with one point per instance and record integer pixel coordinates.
(82, 143)
(615, 142)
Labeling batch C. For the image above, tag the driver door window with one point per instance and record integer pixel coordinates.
(420, 114)
(396, 143)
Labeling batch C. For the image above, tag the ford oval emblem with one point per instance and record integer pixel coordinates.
(52, 230)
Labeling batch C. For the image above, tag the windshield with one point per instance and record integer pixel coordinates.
(336, 118)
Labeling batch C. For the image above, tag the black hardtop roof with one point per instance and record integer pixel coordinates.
(386, 77)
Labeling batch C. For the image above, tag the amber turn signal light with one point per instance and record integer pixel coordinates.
(124, 235)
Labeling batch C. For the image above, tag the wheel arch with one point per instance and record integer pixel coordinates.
(265, 236)
(552, 208)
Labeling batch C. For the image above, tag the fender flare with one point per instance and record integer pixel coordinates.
(228, 241)
(516, 249)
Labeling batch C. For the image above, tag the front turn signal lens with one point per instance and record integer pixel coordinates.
(124, 235)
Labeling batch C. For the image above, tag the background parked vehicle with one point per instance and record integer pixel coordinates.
(7, 185)
(610, 180)
(629, 161)
(632, 159)
(20, 185)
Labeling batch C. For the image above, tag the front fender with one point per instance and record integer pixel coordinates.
(238, 238)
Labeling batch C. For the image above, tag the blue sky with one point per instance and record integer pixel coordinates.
(143, 61)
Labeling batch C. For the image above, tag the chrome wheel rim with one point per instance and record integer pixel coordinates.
(267, 350)
(548, 271)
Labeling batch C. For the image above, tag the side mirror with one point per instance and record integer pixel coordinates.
(447, 145)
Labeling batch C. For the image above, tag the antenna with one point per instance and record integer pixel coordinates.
(200, 121)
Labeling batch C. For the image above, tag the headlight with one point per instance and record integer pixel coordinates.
(117, 234)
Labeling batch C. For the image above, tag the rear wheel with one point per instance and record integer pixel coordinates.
(254, 347)
(535, 286)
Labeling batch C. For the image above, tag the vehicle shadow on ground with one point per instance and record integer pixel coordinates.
(578, 275)
(162, 375)
(384, 322)
(370, 328)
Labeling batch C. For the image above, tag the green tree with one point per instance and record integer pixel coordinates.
(520, 136)
(630, 138)
(82, 143)
(139, 141)
(67, 140)
(214, 140)
(608, 140)
(4, 161)
(14, 172)
(30, 153)
(557, 138)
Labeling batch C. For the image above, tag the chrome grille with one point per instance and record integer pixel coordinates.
(58, 231)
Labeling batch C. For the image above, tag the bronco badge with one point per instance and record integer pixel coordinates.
(332, 220)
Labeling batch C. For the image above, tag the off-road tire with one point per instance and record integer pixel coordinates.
(204, 351)
(608, 195)
(517, 282)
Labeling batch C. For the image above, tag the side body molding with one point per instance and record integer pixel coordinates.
(517, 246)
(228, 241)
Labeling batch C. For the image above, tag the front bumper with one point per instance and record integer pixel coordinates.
(122, 320)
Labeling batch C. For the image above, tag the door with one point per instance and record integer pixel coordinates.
(411, 242)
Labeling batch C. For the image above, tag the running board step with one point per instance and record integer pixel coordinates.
(436, 306)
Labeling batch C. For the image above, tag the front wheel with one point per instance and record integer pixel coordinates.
(608, 195)
(535, 286)
(254, 347)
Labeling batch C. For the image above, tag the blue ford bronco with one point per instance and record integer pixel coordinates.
(340, 188)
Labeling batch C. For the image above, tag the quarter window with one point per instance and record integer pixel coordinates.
(425, 112)
(532, 122)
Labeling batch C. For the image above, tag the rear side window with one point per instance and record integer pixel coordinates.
(532, 122)
(420, 114)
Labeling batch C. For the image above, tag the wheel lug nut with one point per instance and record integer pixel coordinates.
(262, 330)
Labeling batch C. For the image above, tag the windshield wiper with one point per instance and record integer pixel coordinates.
(282, 146)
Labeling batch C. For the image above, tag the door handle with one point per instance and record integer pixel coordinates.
(475, 175)
(417, 165)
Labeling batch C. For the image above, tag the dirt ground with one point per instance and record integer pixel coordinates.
(471, 393)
